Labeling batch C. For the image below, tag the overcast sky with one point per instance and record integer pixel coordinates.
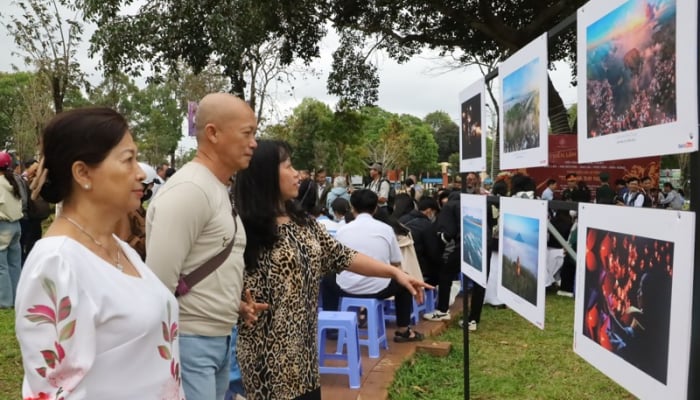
(413, 88)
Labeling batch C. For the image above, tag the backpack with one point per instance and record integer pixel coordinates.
(392, 194)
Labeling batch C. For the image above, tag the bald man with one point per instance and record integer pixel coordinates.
(187, 224)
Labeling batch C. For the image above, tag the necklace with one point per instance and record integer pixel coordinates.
(117, 261)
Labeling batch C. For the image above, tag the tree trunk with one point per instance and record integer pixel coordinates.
(57, 95)
(558, 118)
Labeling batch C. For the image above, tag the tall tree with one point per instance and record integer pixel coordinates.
(446, 133)
(12, 106)
(25, 107)
(253, 42)
(166, 31)
(308, 125)
(116, 91)
(483, 31)
(422, 148)
(157, 122)
(49, 42)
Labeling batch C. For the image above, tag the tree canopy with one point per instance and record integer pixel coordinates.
(163, 32)
(347, 141)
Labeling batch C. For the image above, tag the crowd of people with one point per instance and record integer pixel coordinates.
(132, 273)
(202, 279)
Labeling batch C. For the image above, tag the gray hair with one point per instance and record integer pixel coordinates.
(339, 181)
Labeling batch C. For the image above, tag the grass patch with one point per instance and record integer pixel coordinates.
(11, 371)
(509, 359)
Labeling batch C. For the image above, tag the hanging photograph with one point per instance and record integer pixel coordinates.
(523, 117)
(474, 236)
(472, 143)
(634, 296)
(523, 257)
(637, 79)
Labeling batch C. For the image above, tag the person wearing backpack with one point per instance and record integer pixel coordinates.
(425, 238)
(382, 188)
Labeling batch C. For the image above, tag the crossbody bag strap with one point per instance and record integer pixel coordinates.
(186, 282)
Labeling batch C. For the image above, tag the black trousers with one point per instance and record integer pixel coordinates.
(31, 233)
(479, 292)
(448, 272)
(312, 395)
(568, 273)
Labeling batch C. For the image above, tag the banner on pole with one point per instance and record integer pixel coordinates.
(191, 112)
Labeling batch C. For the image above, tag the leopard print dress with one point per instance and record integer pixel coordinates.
(278, 356)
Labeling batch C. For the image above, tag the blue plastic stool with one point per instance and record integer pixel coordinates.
(390, 310)
(375, 334)
(346, 324)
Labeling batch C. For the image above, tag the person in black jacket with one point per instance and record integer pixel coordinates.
(448, 231)
(425, 239)
(308, 192)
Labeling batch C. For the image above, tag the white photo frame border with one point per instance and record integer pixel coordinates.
(667, 225)
(537, 156)
(477, 202)
(676, 137)
(536, 209)
(475, 164)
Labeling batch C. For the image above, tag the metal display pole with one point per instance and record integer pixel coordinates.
(694, 362)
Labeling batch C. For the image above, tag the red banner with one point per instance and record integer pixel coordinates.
(563, 156)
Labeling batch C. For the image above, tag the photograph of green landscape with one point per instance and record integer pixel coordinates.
(521, 108)
(520, 256)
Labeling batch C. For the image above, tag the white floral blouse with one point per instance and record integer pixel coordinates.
(89, 331)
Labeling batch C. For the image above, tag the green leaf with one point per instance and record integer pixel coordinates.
(64, 308)
(50, 289)
(166, 333)
(39, 319)
(164, 352)
(67, 331)
(50, 357)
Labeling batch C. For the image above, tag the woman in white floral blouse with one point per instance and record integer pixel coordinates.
(93, 322)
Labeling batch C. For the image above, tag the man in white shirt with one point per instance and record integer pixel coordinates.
(548, 192)
(380, 187)
(377, 240)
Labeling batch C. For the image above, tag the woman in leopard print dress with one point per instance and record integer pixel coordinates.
(287, 255)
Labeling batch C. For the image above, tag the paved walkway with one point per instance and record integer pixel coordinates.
(378, 373)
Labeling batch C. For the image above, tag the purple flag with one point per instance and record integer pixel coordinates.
(191, 111)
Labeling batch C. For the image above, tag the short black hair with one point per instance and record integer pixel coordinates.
(668, 185)
(551, 182)
(620, 182)
(571, 175)
(426, 203)
(364, 201)
(340, 206)
(633, 179)
(646, 178)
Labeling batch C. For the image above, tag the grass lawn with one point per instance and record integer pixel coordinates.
(10, 360)
(509, 359)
